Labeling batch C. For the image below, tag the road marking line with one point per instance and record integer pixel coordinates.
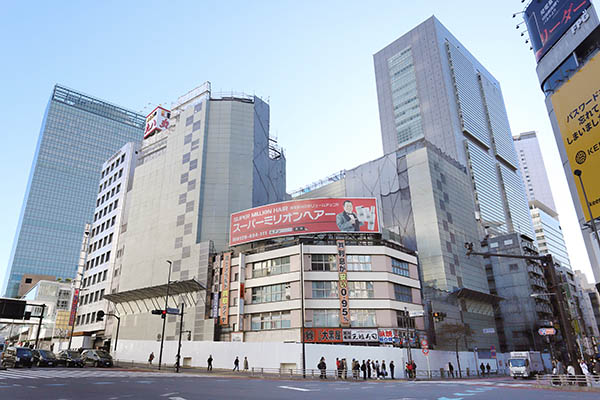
(176, 398)
(168, 394)
(294, 388)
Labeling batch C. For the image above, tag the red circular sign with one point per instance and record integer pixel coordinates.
(424, 343)
(425, 351)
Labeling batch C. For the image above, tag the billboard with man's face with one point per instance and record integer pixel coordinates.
(299, 217)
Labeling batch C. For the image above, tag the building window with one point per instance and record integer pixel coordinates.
(324, 289)
(275, 266)
(403, 293)
(323, 262)
(361, 290)
(272, 320)
(265, 294)
(326, 318)
(358, 263)
(400, 267)
(403, 319)
(363, 318)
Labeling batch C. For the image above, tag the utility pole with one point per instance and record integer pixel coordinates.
(557, 298)
(164, 315)
(177, 363)
(41, 317)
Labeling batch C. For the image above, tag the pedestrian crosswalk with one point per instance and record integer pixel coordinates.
(50, 373)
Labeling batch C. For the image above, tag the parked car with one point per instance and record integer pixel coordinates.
(17, 357)
(97, 358)
(69, 358)
(44, 358)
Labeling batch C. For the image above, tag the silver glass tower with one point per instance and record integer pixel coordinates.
(78, 134)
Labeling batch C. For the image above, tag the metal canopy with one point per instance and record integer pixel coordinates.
(476, 295)
(175, 288)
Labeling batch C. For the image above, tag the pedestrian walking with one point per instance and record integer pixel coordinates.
(377, 373)
(555, 377)
(150, 358)
(345, 368)
(586, 372)
(322, 366)
(392, 366)
(488, 368)
(236, 364)
(414, 369)
(363, 368)
(209, 362)
(407, 368)
(245, 363)
(482, 368)
(450, 369)
(369, 368)
(383, 370)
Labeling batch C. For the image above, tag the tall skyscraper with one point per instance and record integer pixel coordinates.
(548, 233)
(429, 86)
(78, 134)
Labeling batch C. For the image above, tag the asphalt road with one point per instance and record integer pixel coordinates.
(91, 384)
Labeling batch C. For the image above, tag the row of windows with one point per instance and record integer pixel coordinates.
(105, 225)
(331, 318)
(106, 210)
(271, 320)
(275, 266)
(265, 294)
(329, 289)
(94, 262)
(328, 262)
(108, 195)
(101, 243)
(91, 297)
(91, 280)
(110, 180)
(113, 165)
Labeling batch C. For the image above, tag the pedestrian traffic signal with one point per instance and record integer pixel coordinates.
(100, 316)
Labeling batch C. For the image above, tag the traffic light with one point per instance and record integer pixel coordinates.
(162, 313)
(439, 316)
(100, 316)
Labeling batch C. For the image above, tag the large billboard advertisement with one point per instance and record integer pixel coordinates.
(548, 20)
(299, 217)
(577, 109)
(156, 121)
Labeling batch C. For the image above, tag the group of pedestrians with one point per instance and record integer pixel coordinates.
(369, 369)
(588, 369)
(236, 363)
(485, 368)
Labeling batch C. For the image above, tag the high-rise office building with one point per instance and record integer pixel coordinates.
(212, 157)
(429, 86)
(78, 134)
(548, 233)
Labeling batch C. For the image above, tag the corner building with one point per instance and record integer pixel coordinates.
(214, 158)
(278, 287)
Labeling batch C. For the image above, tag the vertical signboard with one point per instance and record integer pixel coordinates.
(343, 284)
(74, 307)
(241, 290)
(577, 109)
(225, 282)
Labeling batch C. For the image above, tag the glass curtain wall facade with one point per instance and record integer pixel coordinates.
(78, 134)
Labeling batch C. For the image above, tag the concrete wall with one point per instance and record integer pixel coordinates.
(276, 355)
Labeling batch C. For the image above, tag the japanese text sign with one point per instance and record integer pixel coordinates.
(74, 307)
(298, 217)
(360, 335)
(156, 121)
(577, 109)
(547, 21)
(322, 335)
(389, 336)
(343, 284)
(225, 282)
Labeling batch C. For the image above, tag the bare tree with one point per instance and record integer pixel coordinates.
(454, 332)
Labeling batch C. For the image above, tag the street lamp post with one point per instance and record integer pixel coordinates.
(162, 337)
(577, 172)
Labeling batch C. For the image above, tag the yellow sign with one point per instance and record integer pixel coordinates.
(577, 109)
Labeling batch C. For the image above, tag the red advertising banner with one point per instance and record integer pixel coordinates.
(343, 284)
(225, 282)
(74, 304)
(298, 217)
(323, 335)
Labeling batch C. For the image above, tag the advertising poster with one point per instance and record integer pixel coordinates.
(343, 284)
(300, 217)
(360, 335)
(225, 282)
(577, 109)
(322, 335)
(548, 20)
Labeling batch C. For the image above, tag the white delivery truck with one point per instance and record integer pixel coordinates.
(525, 364)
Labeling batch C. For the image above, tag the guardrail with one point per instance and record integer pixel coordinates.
(294, 373)
(568, 380)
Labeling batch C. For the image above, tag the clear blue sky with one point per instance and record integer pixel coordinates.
(311, 59)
